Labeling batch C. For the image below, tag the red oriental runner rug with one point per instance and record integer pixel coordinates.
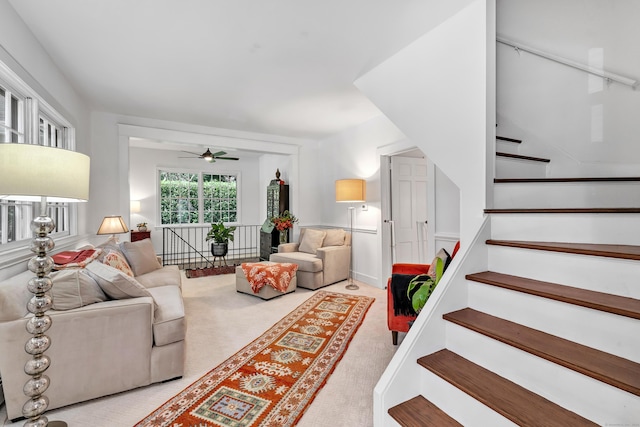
(270, 382)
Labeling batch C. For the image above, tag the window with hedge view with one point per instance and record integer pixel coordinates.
(197, 198)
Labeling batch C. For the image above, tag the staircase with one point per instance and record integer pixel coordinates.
(549, 334)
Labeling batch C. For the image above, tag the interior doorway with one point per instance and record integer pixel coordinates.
(405, 209)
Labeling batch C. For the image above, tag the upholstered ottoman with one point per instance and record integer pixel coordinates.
(267, 292)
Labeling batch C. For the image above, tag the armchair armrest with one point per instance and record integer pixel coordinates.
(335, 262)
(288, 247)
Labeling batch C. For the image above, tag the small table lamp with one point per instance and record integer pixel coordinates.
(36, 173)
(113, 224)
(351, 191)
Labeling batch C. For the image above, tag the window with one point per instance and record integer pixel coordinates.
(197, 198)
(11, 116)
(54, 131)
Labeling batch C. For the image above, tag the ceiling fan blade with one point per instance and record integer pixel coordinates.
(227, 158)
(219, 153)
(189, 152)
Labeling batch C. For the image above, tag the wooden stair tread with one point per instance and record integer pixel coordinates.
(594, 249)
(510, 400)
(521, 157)
(623, 306)
(504, 138)
(419, 412)
(562, 210)
(610, 369)
(549, 180)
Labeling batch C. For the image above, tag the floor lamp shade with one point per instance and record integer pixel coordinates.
(351, 190)
(29, 172)
(36, 173)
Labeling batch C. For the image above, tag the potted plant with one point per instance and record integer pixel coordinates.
(283, 223)
(221, 236)
(142, 226)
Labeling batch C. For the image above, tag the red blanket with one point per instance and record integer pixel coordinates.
(277, 275)
(75, 259)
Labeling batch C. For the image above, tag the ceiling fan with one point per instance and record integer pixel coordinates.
(209, 156)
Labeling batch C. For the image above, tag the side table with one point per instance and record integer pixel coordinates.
(140, 235)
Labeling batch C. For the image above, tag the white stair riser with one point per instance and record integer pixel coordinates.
(517, 168)
(608, 332)
(579, 393)
(507, 147)
(459, 405)
(576, 228)
(608, 275)
(566, 195)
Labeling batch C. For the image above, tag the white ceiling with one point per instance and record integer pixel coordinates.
(282, 67)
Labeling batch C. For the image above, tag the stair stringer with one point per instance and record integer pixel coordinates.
(401, 379)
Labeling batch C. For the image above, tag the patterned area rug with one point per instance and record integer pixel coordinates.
(271, 381)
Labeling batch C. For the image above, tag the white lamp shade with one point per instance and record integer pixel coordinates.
(113, 224)
(29, 172)
(351, 190)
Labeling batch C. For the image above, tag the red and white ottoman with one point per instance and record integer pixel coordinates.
(266, 279)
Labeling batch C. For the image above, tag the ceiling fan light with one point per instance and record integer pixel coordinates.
(209, 159)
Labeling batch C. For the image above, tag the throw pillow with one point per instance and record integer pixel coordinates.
(75, 259)
(311, 240)
(141, 256)
(115, 283)
(110, 245)
(436, 269)
(334, 237)
(74, 289)
(445, 257)
(117, 261)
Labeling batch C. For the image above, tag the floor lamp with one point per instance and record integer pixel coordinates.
(351, 191)
(37, 173)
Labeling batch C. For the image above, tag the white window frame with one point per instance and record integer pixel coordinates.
(199, 173)
(33, 108)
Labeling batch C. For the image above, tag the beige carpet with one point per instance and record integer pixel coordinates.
(221, 321)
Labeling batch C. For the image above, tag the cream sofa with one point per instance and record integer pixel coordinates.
(322, 255)
(103, 347)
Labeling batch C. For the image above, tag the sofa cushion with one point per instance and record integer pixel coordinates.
(117, 261)
(165, 276)
(169, 323)
(306, 262)
(334, 237)
(73, 289)
(115, 283)
(141, 256)
(311, 240)
(14, 296)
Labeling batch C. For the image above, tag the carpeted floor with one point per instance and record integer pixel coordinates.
(220, 322)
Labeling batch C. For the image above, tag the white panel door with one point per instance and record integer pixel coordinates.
(409, 208)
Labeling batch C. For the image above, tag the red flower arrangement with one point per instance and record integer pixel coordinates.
(284, 221)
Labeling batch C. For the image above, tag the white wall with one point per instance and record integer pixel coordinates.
(354, 154)
(438, 92)
(585, 126)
